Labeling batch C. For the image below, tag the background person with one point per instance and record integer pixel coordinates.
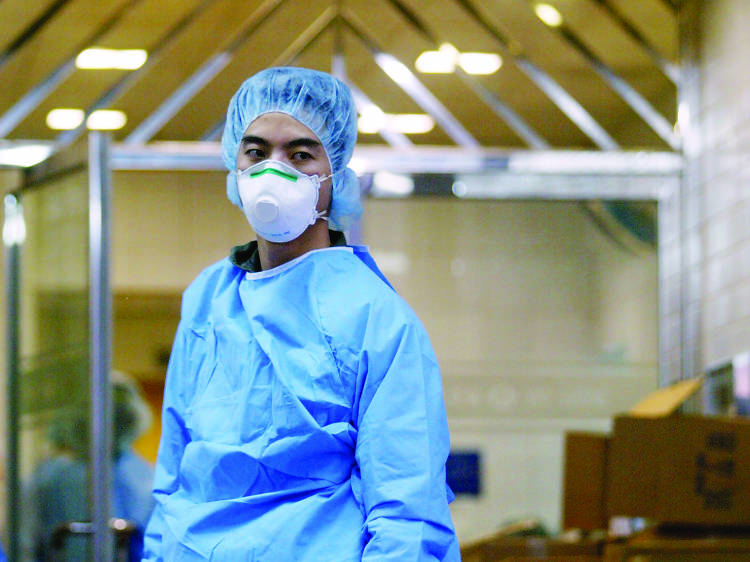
(58, 489)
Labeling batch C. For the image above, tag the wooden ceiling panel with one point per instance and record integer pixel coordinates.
(51, 46)
(402, 28)
(212, 29)
(656, 20)
(17, 15)
(269, 41)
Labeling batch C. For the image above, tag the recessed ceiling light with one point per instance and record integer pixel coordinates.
(64, 119)
(410, 123)
(445, 59)
(480, 63)
(106, 120)
(442, 61)
(24, 155)
(121, 59)
(548, 14)
(372, 121)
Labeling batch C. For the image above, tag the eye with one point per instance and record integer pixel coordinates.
(255, 153)
(301, 156)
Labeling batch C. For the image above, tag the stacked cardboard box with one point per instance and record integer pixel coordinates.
(688, 471)
(517, 549)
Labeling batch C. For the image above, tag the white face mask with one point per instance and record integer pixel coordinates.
(279, 201)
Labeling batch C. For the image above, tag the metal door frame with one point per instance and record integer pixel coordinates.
(96, 158)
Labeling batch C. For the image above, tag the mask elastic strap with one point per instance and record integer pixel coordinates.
(321, 214)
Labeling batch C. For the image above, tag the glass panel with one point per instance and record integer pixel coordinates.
(54, 365)
(544, 318)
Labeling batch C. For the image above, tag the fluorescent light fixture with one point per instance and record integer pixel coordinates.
(410, 123)
(371, 122)
(371, 119)
(106, 120)
(442, 61)
(434, 62)
(121, 59)
(64, 119)
(24, 155)
(548, 14)
(445, 59)
(480, 63)
(388, 184)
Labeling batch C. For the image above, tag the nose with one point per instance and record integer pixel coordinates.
(281, 156)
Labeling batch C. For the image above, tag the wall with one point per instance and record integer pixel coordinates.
(541, 325)
(719, 180)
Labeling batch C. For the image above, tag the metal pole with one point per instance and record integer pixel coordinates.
(13, 235)
(100, 341)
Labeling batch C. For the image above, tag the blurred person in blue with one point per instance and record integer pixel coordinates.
(303, 416)
(58, 489)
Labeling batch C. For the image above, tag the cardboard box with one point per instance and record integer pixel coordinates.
(695, 545)
(501, 548)
(584, 481)
(679, 468)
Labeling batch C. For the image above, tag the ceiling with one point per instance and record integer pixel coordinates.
(601, 81)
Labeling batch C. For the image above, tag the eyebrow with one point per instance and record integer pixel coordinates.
(303, 141)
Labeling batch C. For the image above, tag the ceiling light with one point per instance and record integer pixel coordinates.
(63, 119)
(548, 14)
(106, 120)
(445, 59)
(371, 122)
(434, 62)
(24, 155)
(410, 123)
(480, 63)
(371, 119)
(121, 59)
(442, 61)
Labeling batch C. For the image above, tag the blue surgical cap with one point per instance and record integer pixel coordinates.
(319, 101)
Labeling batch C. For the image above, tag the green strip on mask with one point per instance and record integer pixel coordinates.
(279, 173)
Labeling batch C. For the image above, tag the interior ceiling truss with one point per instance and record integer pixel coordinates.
(606, 79)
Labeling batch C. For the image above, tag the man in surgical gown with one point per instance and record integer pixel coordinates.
(303, 414)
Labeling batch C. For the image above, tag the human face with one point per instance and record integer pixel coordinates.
(278, 136)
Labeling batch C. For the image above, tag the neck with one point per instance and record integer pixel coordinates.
(274, 254)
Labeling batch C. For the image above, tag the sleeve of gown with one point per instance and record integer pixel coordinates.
(171, 447)
(402, 445)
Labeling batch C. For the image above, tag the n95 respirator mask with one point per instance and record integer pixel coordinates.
(278, 200)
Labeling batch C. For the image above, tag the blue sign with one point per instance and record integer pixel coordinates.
(462, 472)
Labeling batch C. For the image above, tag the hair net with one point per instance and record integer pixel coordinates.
(69, 428)
(319, 101)
(132, 416)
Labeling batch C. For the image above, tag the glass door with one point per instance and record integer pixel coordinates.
(55, 237)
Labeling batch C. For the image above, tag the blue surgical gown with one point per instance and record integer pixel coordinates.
(303, 420)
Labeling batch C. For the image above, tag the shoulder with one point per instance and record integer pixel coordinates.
(354, 294)
(345, 277)
(207, 286)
